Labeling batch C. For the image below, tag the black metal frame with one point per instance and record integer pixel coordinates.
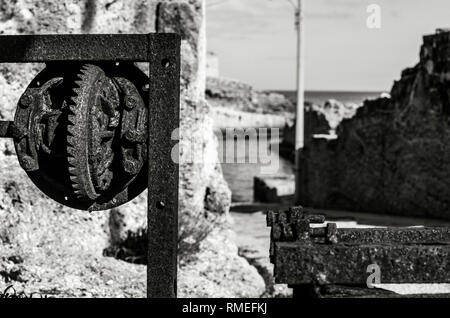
(162, 52)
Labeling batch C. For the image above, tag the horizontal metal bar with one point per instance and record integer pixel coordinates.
(297, 264)
(342, 291)
(427, 235)
(6, 129)
(78, 47)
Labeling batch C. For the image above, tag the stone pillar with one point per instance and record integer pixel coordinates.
(65, 247)
(201, 182)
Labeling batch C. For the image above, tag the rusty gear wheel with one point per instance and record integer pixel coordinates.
(81, 133)
(91, 127)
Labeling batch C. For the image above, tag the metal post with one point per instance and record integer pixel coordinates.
(164, 102)
(299, 113)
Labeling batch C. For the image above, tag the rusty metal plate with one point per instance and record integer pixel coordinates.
(81, 132)
(78, 47)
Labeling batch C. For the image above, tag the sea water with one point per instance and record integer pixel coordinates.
(240, 175)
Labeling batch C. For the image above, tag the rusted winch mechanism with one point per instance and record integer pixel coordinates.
(80, 133)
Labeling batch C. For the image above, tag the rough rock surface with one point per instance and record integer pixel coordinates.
(253, 239)
(219, 273)
(236, 95)
(200, 170)
(315, 123)
(394, 155)
(50, 249)
(335, 112)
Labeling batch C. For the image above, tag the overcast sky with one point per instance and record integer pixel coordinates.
(255, 41)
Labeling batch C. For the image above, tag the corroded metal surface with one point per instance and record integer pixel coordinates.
(85, 47)
(163, 156)
(426, 235)
(325, 255)
(94, 145)
(81, 133)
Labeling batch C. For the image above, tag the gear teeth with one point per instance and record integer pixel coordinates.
(71, 160)
(71, 120)
(73, 170)
(73, 100)
(78, 91)
(86, 73)
(71, 140)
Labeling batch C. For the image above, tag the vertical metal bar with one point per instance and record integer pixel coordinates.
(300, 109)
(164, 90)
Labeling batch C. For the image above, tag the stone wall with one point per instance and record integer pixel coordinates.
(47, 247)
(315, 122)
(393, 156)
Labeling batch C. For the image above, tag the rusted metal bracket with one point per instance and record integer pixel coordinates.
(6, 129)
(96, 125)
(310, 255)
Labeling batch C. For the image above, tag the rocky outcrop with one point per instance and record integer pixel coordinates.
(219, 273)
(393, 156)
(222, 92)
(315, 123)
(229, 93)
(230, 118)
(320, 121)
(237, 105)
(47, 248)
(335, 112)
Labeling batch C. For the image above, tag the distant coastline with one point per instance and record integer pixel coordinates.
(320, 97)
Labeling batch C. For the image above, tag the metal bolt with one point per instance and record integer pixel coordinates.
(302, 226)
(165, 63)
(331, 233)
(287, 232)
(276, 232)
(296, 213)
(271, 217)
(26, 100)
(130, 102)
(160, 205)
(316, 219)
(114, 120)
(318, 231)
(282, 217)
(130, 166)
(28, 163)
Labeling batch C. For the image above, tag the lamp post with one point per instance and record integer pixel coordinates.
(300, 109)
